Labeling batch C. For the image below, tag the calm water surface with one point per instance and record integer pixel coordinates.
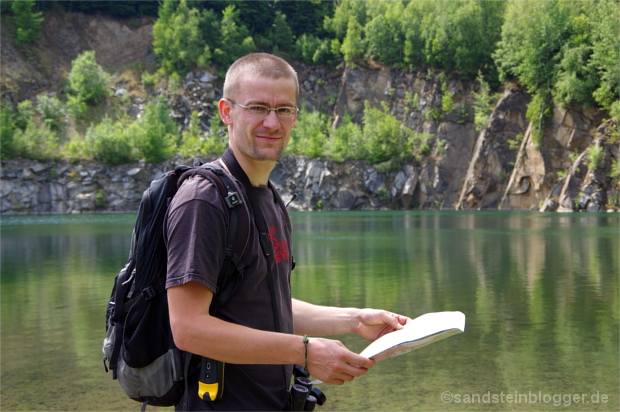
(540, 292)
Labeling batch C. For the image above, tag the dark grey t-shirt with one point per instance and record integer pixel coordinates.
(195, 230)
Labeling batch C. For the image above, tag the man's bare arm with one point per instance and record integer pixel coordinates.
(318, 320)
(196, 331)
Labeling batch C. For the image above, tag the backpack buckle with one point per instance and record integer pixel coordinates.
(233, 200)
(148, 293)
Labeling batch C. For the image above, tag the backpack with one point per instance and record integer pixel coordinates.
(139, 348)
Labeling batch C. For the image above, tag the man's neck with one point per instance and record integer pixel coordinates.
(248, 173)
(257, 171)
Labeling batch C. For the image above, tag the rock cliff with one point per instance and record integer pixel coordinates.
(499, 167)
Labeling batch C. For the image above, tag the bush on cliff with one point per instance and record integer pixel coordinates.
(109, 143)
(87, 79)
(36, 142)
(6, 134)
(155, 134)
(309, 135)
(384, 136)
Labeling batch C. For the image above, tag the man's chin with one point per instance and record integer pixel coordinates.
(268, 155)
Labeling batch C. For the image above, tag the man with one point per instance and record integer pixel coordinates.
(259, 108)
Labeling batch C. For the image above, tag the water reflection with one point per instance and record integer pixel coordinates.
(540, 292)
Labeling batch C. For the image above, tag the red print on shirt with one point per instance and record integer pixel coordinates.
(279, 248)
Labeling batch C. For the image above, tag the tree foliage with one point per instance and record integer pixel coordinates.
(109, 143)
(7, 129)
(27, 22)
(456, 35)
(565, 52)
(179, 37)
(384, 137)
(234, 39)
(155, 134)
(88, 82)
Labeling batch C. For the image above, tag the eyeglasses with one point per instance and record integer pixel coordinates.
(260, 110)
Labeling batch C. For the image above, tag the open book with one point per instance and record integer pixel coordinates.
(419, 332)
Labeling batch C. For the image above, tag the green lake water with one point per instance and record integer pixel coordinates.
(540, 293)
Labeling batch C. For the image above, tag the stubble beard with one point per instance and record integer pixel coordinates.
(250, 149)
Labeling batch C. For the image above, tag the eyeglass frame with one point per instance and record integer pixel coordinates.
(269, 109)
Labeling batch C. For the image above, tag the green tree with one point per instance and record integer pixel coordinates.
(88, 82)
(532, 37)
(605, 25)
(383, 33)
(27, 23)
(235, 40)
(306, 17)
(483, 103)
(339, 23)
(353, 45)
(475, 28)
(280, 34)
(313, 50)
(578, 76)
(412, 21)
(178, 40)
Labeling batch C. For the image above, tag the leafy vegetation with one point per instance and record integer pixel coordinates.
(595, 155)
(381, 138)
(178, 39)
(484, 101)
(27, 22)
(563, 52)
(562, 49)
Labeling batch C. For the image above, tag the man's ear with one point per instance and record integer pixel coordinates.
(225, 107)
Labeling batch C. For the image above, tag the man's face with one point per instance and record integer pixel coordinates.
(260, 137)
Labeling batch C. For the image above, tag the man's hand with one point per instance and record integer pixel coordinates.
(331, 362)
(371, 324)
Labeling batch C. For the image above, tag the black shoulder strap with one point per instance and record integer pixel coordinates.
(237, 236)
(259, 219)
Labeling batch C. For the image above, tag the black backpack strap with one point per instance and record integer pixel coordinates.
(231, 162)
(235, 245)
(210, 378)
(238, 233)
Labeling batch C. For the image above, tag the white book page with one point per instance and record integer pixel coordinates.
(419, 332)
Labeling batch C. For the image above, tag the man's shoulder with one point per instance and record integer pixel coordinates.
(197, 188)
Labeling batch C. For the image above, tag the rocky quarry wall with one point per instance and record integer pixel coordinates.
(466, 169)
(473, 171)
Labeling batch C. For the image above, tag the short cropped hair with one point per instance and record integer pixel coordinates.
(258, 64)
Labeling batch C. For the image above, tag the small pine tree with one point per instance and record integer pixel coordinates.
(87, 79)
(27, 23)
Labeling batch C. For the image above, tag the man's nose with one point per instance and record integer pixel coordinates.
(271, 120)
